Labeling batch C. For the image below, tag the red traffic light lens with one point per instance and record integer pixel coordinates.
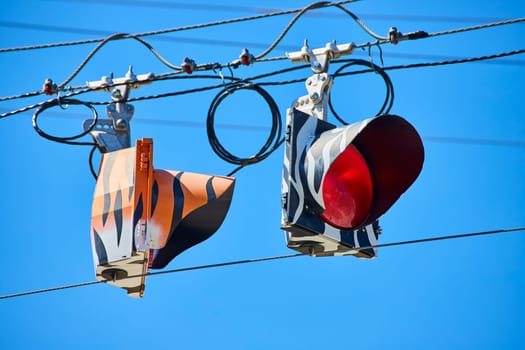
(347, 190)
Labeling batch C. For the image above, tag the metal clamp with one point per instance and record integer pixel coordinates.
(316, 102)
(114, 133)
(319, 84)
(320, 58)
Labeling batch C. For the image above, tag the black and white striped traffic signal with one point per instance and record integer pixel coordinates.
(337, 181)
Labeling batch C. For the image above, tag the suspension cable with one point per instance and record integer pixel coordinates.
(281, 257)
(177, 29)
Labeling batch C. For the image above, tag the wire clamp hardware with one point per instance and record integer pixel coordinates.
(319, 58)
(188, 65)
(113, 134)
(316, 102)
(395, 36)
(245, 58)
(49, 87)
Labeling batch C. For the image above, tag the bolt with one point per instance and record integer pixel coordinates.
(309, 82)
(116, 94)
(121, 124)
(314, 97)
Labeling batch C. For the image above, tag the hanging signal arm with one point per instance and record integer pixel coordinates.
(113, 133)
(302, 217)
(320, 83)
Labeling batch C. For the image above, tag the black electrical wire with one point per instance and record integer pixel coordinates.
(68, 139)
(117, 36)
(280, 257)
(91, 166)
(176, 29)
(272, 142)
(389, 96)
(313, 6)
(169, 76)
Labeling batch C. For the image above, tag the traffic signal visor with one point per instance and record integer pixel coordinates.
(143, 217)
(337, 181)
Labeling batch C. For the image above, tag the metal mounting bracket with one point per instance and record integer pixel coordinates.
(319, 58)
(113, 134)
(316, 102)
(320, 83)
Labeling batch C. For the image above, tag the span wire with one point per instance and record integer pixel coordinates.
(281, 257)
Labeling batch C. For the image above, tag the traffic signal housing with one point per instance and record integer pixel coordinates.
(337, 181)
(143, 217)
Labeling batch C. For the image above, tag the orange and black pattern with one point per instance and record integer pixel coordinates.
(142, 218)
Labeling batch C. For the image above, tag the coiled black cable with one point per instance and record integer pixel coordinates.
(389, 97)
(272, 142)
(68, 139)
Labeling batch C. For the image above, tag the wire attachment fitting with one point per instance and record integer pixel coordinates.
(319, 58)
(114, 133)
(316, 102)
(188, 65)
(49, 87)
(395, 36)
(246, 57)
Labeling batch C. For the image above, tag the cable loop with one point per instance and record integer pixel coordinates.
(272, 142)
(389, 97)
(68, 139)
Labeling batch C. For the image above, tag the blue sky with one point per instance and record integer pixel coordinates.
(459, 294)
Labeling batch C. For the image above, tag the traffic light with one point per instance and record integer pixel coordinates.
(337, 181)
(144, 217)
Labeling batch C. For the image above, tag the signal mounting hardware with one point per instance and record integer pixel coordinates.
(337, 181)
(143, 217)
(113, 134)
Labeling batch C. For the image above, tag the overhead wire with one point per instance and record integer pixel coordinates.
(266, 15)
(214, 66)
(40, 104)
(104, 42)
(273, 141)
(267, 148)
(260, 128)
(477, 27)
(167, 76)
(302, 79)
(238, 85)
(280, 257)
(311, 7)
(170, 30)
(177, 29)
(261, 56)
(207, 41)
(254, 9)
